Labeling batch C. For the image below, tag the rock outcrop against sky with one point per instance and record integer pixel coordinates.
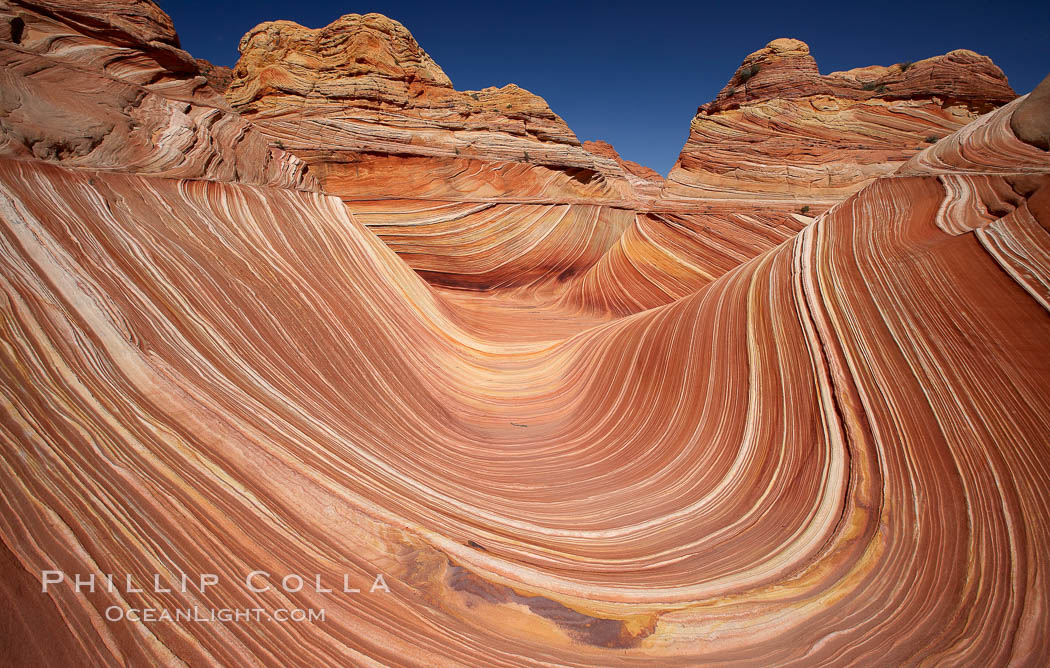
(362, 87)
(781, 130)
(443, 176)
(104, 86)
(639, 430)
(779, 145)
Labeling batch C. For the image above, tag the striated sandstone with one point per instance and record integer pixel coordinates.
(645, 182)
(784, 69)
(830, 451)
(218, 76)
(105, 87)
(780, 145)
(781, 130)
(678, 246)
(234, 401)
(667, 254)
(362, 86)
(382, 127)
(128, 39)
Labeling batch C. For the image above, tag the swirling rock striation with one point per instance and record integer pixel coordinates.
(832, 453)
(105, 86)
(645, 182)
(780, 145)
(362, 88)
(781, 130)
(485, 189)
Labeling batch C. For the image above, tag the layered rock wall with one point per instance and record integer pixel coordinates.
(781, 130)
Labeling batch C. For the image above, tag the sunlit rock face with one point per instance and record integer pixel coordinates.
(362, 86)
(781, 130)
(483, 189)
(105, 86)
(646, 182)
(780, 145)
(832, 452)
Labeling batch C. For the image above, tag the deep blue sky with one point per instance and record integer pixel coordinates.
(633, 73)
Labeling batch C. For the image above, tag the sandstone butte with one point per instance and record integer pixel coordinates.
(781, 130)
(831, 450)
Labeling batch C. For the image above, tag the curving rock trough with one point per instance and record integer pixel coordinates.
(818, 442)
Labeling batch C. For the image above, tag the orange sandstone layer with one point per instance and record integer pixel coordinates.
(741, 476)
(382, 127)
(832, 452)
(780, 145)
(362, 88)
(105, 86)
(646, 182)
(781, 130)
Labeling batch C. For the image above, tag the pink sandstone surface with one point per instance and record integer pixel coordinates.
(728, 434)
(788, 132)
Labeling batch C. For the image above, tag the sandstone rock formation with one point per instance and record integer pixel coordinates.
(1031, 121)
(219, 77)
(666, 254)
(646, 182)
(781, 130)
(443, 176)
(104, 86)
(362, 86)
(833, 452)
(780, 145)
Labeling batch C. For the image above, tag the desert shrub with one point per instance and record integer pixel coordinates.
(905, 65)
(526, 156)
(475, 96)
(748, 72)
(804, 210)
(932, 139)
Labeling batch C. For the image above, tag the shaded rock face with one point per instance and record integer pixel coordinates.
(207, 369)
(138, 24)
(779, 129)
(645, 181)
(1031, 121)
(218, 76)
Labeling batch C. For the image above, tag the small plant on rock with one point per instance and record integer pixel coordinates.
(905, 65)
(748, 72)
(932, 139)
(804, 210)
